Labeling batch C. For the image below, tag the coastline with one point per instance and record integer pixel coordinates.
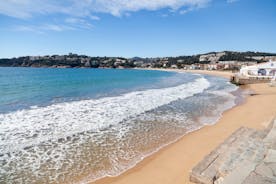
(173, 163)
(224, 74)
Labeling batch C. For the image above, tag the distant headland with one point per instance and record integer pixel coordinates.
(226, 60)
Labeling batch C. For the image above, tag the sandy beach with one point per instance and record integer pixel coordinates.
(172, 164)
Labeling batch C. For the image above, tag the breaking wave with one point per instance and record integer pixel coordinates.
(39, 142)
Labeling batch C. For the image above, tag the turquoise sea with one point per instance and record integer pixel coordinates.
(25, 87)
(78, 125)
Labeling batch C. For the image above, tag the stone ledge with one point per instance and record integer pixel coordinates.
(247, 155)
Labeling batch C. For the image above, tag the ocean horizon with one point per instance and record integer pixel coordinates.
(79, 125)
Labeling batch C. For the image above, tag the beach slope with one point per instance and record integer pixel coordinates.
(172, 164)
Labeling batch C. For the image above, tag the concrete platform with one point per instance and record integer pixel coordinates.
(248, 156)
(240, 80)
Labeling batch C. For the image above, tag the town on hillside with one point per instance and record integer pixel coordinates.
(226, 60)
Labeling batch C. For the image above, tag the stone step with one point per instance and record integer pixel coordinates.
(238, 175)
(244, 145)
(265, 171)
(270, 139)
(248, 156)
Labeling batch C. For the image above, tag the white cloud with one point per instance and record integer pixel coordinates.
(43, 28)
(78, 22)
(78, 14)
(55, 27)
(119, 7)
(28, 8)
(86, 8)
(187, 10)
(231, 1)
(93, 17)
(27, 29)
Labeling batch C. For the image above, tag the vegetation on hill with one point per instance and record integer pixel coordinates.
(74, 60)
(244, 56)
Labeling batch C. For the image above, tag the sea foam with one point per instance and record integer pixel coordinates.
(41, 143)
(29, 127)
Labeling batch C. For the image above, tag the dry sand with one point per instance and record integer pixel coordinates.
(172, 164)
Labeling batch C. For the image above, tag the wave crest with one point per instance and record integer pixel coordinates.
(30, 127)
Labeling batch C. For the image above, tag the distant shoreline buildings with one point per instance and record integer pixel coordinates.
(226, 60)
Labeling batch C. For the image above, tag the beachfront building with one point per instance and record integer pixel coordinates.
(267, 69)
(260, 73)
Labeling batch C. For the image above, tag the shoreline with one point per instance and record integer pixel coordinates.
(173, 163)
(218, 73)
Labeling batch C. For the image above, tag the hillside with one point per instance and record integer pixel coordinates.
(74, 60)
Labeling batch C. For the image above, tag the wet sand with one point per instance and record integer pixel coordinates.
(172, 164)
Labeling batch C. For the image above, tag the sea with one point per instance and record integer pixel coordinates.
(78, 125)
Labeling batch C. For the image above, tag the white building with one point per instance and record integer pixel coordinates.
(262, 70)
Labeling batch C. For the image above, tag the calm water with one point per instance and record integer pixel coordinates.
(25, 87)
(78, 125)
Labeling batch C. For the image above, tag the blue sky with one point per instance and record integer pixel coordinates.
(128, 28)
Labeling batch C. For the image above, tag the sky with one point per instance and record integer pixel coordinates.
(130, 28)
